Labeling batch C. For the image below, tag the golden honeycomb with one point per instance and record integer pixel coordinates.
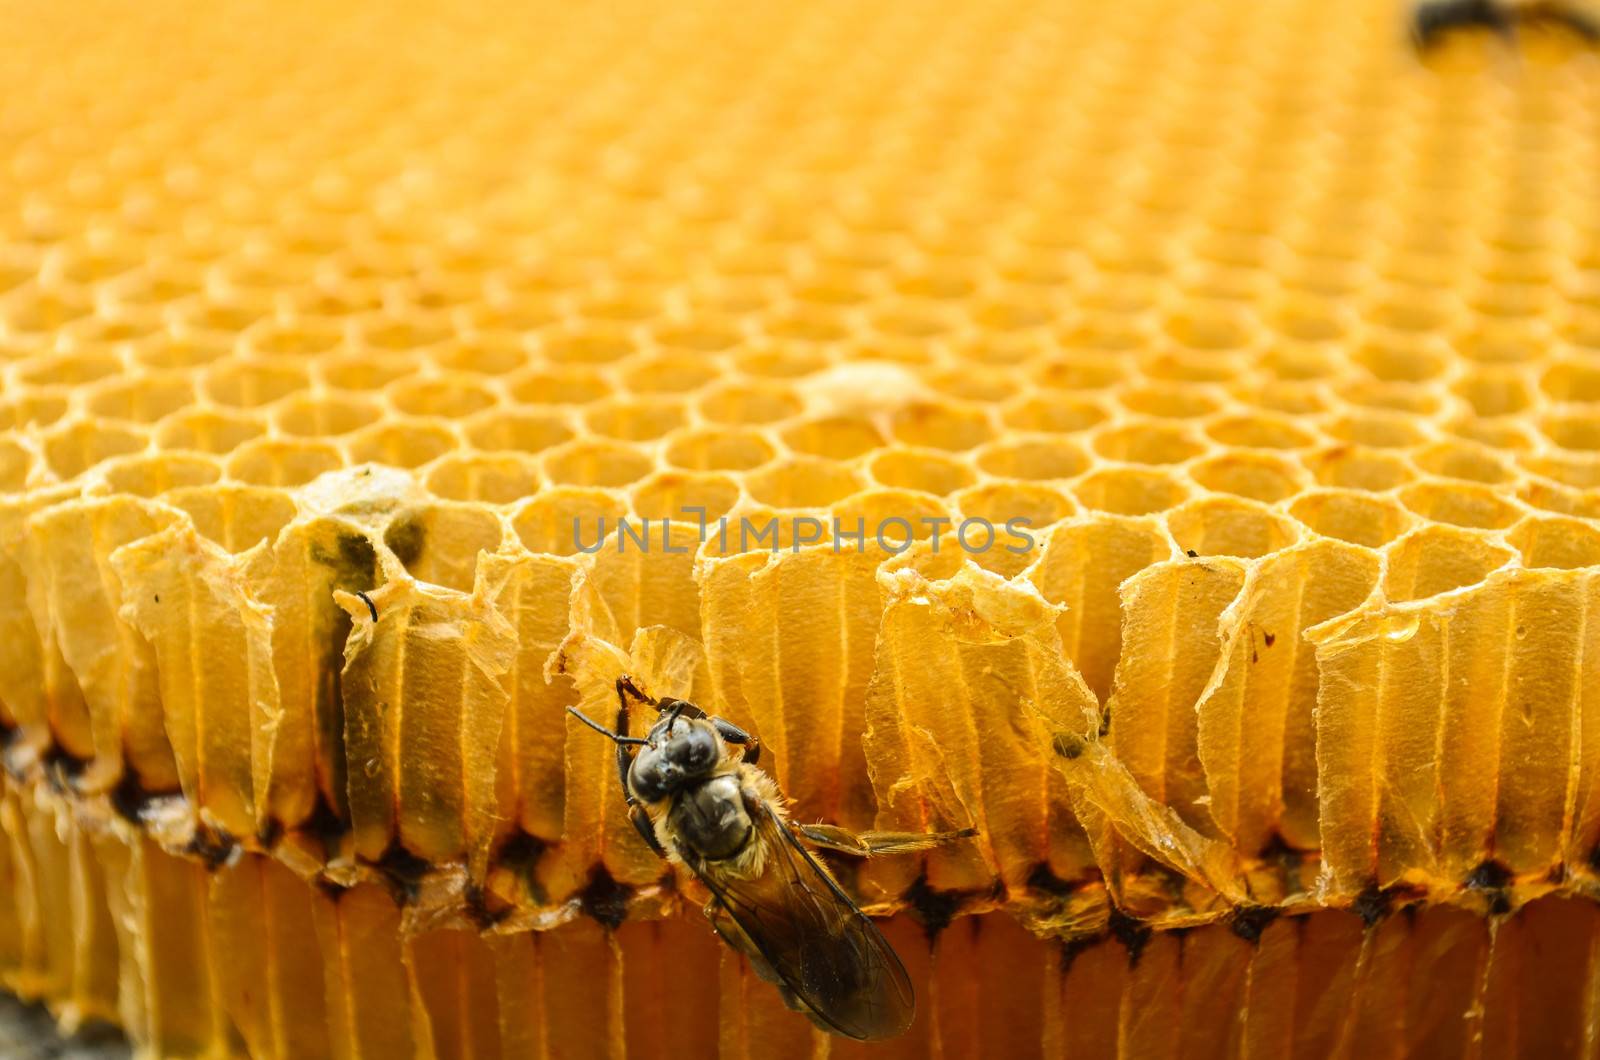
(247, 959)
(342, 349)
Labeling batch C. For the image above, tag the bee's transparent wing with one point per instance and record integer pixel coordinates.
(812, 936)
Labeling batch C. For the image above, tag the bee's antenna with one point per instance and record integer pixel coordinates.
(603, 731)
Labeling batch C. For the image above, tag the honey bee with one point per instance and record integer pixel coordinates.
(697, 797)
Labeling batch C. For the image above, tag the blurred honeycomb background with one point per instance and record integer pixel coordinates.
(1282, 733)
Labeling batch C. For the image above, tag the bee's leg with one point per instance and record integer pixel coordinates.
(725, 729)
(672, 714)
(625, 752)
(626, 688)
(739, 738)
(644, 826)
(679, 708)
(867, 844)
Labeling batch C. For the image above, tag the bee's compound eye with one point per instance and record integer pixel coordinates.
(647, 777)
(694, 750)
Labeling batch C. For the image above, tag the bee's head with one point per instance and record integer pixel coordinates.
(677, 750)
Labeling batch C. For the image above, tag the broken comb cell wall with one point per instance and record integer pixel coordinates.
(247, 959)
(332, 342)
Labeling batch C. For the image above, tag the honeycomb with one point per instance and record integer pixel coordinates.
(1164, 438)
(250, 959)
